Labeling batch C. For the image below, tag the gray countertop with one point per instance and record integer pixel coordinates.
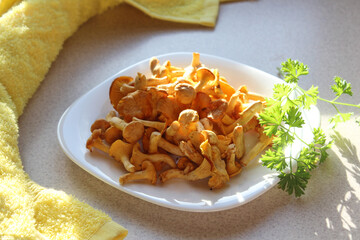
(322, 34)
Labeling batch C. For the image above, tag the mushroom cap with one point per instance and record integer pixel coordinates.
(133, 132)
(101, 124)
(188, 116)
(201, 104)
(188, 149)
(184, 93)
(204, 74)
(170, 108)
(121, 152)
(226, 88)
(135, 104)
(120, 148)
(112, 134)
(211, 136)
(115, 94)
(217, 110)
(201, 172)
(95, 141)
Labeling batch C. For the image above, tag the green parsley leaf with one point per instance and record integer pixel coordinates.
(281, 91)
(309, 97)
(294, 182)
(293, 117)
(292, 70)
(271, 118)
(339, 118)
(341, 86)
(274, 159)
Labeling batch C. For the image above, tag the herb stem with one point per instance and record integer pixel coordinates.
(339, 103)
(331, 101)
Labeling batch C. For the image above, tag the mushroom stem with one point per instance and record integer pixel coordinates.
(153, 124)
(258, 148)
(157, 81)
(169, 147)
(245, 116)
(208, 125)
(190, 70)
(238, 140)
(140, 82)
(227, 120)
(234, 99)
(154, 142)
(138, 157)
(255, 96)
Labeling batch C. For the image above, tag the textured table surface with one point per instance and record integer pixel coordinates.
(323, 34)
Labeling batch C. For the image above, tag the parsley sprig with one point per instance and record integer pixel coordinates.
(283, 118)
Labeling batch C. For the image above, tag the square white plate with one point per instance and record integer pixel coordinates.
(74, 130)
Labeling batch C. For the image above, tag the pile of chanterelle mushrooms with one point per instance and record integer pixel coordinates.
(186, 123)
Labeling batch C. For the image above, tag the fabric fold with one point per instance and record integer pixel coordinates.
(32, 33)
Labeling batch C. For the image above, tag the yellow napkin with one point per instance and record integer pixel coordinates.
(32, 33)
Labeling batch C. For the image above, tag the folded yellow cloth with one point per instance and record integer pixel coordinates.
(32, 33)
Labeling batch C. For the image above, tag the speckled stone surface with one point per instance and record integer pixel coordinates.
(323, 34)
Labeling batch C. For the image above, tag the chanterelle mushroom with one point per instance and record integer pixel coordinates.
(152, 124)
(115, 94)
(258, 148)
(203, 75)
(132, 131)
(156, 68)
(245, 116)
(238, 140)
(148, 173)
(136, 104)
(112, 134)
(138, 157)
(195, 63)
(185, 164)
(184, 93)
(232, 167)
(95, 141)
(101, 124)
(201, 172)
(121, 151)
(188, 149)
(219, 175)
(186, 123)
(169, 147)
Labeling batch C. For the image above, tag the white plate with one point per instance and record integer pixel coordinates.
(74, 130)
